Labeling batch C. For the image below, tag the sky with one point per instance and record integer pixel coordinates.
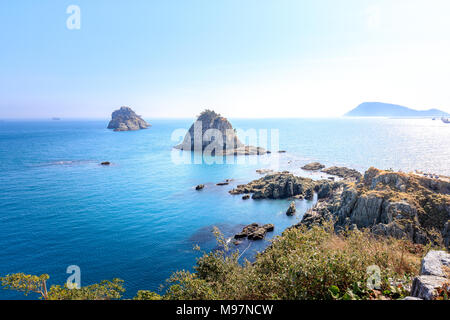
(244, 59)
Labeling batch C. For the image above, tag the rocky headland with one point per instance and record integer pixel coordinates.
(389, 204)
(222, 140)
(125, 119)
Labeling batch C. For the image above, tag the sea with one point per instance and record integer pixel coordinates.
(140, 218)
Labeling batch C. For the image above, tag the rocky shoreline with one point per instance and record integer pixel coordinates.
(392, 204)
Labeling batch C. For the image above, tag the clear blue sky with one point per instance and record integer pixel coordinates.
(263, 58)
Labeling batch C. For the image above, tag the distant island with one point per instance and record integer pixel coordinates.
(125, 119)
(379, 109)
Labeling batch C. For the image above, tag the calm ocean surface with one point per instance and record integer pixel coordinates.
(139, 219)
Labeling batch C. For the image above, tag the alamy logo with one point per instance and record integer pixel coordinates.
(74, 280)
(374, 277)
(73, 22)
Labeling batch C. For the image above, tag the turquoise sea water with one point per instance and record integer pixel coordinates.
(140, 218)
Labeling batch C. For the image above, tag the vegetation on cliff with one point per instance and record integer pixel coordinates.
(314, 263)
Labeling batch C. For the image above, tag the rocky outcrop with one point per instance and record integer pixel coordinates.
(215, 134)
(255, 231)
(343, 172)
(126, 119)
(264, 171)
(313, 166)
(292, 209)
(277, 186)
(434, 275)
(389, 204)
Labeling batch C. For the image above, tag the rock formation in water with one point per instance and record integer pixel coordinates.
(221, 140)
(389, 204)
(277, 186)
(343, 172)
(126, 119)
(292, 209)
(314, 166)
(255, 231)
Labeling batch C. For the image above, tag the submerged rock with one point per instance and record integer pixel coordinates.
(215, 133)
(314, 166)
(125, 119)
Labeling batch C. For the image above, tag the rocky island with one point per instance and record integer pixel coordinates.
(379, 109)
(211, 129)
(125, 119)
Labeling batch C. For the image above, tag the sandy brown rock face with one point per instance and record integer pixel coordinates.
(214, 133)
(125, 119)
(390, 204)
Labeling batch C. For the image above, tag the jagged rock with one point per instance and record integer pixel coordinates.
(425, 287)
(446, 234)
(314, 166)
(255, 231)
(433, 263)
(343, 172)
(125, 119)
(433, 275)
(276, 186)
(390, 204)
(309, 194)
(324, 190)
(215, 134)
(200, 187)
(291, 210)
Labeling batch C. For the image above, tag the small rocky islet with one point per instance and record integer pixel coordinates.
(231, 145)
(254, 231)
(125, 119)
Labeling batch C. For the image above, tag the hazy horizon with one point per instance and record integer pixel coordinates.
(253, 59)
